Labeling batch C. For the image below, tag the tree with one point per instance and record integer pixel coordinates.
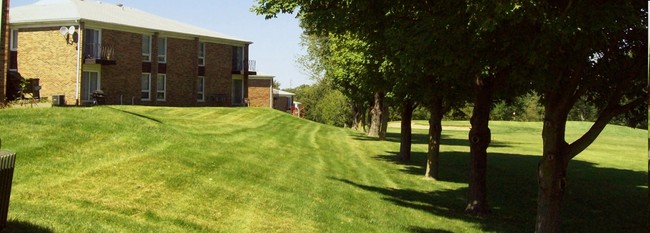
(347, 66)
(583, 49)
(360, 49)
(321, 103)
(407, 107)
(276, 84)
(427, 44)
(497, 43)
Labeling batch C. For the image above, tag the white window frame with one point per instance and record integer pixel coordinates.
(148, 90)
(97, 46)
(238, 58)
(146, 57)
(234, 97)
(162, 91)
(88, 98)
(201, 53)
(200, 89)
(162, 55)
(14, 40)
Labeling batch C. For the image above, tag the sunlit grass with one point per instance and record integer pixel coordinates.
(155, 169)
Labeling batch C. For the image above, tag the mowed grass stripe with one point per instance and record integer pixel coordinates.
(283, 172)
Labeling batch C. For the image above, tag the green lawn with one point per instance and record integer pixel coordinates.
(154, 169)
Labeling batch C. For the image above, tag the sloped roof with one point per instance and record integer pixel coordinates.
(282, 93)
(50, 11)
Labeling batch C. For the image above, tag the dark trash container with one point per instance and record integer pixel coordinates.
(7, 162)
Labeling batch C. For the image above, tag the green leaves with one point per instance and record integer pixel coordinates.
(271, 8)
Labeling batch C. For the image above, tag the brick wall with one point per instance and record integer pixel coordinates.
(43, 53)
(121, 82)
(281, 103)
(182, 72)
(259, 92)
(218, 73)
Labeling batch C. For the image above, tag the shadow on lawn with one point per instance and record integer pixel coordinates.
(20, 226)
(423, 138)
(138, 115)
(417, 138)
(425, 230)
(598, 200)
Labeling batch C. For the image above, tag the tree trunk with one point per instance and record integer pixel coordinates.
(406, 136)
(384, 121)
(435, 132)
(479, 139)
(358, 117)
(551, 174)
(376, 115)
(368, 116)
(552, 170)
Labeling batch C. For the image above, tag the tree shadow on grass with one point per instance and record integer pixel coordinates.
(416, 138)
(454, 165)
(598, 199)
(423, 139)
(22, 226)
(137, 115)
(426, 230)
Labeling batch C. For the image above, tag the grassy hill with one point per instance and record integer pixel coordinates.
(152, 169)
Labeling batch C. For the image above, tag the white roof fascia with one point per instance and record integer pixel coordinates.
(48, 24)
(261, 76)
(282, 93)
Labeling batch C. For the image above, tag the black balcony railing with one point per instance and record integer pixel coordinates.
(252, 65)
(99, 54)
(238, 67)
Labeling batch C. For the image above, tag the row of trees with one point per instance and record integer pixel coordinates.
(323, 102)
(442, 54)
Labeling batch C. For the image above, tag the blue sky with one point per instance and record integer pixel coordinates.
(276, 42)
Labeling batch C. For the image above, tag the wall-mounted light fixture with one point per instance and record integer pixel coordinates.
(67, 32)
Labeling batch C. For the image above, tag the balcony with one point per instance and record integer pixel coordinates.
(238, 67)
(99, 54)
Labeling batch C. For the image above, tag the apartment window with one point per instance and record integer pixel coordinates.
(92, 44)
(238, 59)
(162, 50)
(201, 54)
(161, 87)
(200, 88)
(237, 91)
(14, 40)
(146, 48)
(146, 87)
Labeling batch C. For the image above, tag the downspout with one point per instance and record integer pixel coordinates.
(271, 94)
(245, 76)
(78, 64)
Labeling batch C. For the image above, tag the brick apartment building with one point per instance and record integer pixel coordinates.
(75, 47)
